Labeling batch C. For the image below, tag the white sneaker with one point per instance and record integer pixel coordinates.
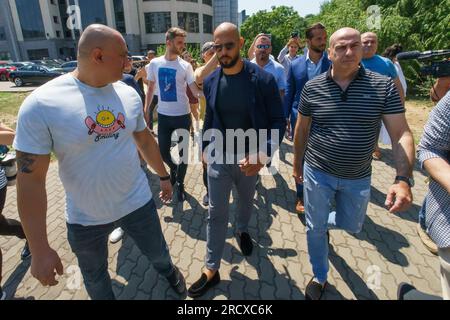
(116, 235)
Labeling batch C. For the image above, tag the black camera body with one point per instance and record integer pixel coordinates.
(437, 69)
(433, 62)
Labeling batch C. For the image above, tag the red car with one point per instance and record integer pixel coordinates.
(5, 69)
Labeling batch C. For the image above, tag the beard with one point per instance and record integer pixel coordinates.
(175, 51)
(231, 64)
(318, 49)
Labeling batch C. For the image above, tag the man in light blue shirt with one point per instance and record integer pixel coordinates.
(263, 50)
(314, 69)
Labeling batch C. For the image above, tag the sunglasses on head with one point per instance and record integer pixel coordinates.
(228, 46)
(263, 46)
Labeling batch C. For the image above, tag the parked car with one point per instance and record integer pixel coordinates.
(47, 63)
(68, 67)
(33, 74)
(138, 58)
(5, 69)
(19, 65)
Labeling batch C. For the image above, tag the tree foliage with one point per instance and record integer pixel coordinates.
(416, 24)
(280, 23)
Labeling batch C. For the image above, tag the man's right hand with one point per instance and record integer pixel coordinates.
(298, 174)
(45, 266)
(147, 114)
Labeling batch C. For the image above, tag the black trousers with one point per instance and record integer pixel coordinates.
(166, 126)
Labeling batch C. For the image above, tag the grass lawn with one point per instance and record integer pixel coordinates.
(9, 107)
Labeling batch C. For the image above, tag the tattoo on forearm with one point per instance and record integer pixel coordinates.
(25, 162)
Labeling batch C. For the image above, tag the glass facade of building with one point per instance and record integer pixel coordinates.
(30, 17)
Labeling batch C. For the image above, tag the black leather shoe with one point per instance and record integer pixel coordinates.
(246, 244)
(314, 290)
(403, 289)
(205, 200)
(25, 252)
(181, 192)
(202, 285)
(177, 282)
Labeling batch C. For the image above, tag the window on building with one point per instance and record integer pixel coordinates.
(189, 21)
(55, 19)
(38, 54)
(2, 34)
(91, 12)
(207, 24)
(5, 55)
(30, 17)
(58, 34)
(196, 1)
(208, 2)
(120, 16)
(157, 22)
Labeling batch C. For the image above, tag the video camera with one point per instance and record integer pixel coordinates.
(433, 64)
(140, 64)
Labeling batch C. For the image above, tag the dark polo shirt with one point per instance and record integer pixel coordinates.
(346, 124)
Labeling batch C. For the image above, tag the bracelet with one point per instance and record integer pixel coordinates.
(164, 178)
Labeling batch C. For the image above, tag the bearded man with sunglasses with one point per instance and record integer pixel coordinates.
(240, 96)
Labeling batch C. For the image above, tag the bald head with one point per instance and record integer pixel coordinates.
(369, 35)
(370, 44)
(98, 36)
(344, 34)
(102, 55)
(345, 51)
(227, 29)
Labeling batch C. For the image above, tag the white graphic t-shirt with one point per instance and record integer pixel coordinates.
(171, 79)
(91, 132)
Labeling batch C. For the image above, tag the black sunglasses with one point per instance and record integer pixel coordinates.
(228, 46)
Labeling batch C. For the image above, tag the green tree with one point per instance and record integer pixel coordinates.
(280, 23)
(416, 24)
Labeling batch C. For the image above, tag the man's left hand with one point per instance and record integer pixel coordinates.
(252, 164)
(399, 197)
(166, 191)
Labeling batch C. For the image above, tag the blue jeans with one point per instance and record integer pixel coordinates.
(294, 116)
(323, 193)
(90, 245)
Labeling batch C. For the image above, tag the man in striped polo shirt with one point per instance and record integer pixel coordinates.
(340, 113)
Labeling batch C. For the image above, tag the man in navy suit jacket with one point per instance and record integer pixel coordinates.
(240, 96)
(314, 62)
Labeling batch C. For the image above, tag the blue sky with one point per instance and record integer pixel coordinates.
(303, 7)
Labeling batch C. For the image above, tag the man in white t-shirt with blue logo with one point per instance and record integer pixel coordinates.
(169, 76)
(95, 126)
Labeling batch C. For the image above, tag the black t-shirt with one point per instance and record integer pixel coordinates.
(232, 103)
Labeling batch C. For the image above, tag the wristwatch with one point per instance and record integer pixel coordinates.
(164, 178)
(409, 181)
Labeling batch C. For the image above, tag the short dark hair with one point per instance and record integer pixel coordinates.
(392, 51)
(174, 32)
(309, 31)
